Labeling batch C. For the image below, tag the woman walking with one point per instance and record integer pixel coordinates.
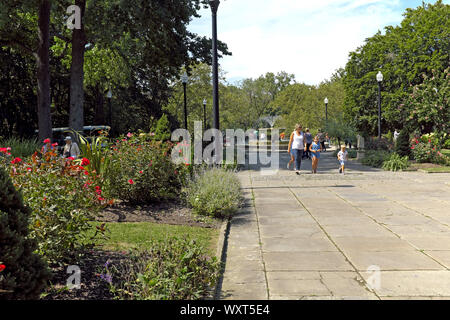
(315, 150)
(297, 144)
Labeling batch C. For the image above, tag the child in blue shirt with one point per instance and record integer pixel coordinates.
(315, 149)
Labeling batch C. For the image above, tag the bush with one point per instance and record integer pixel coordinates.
(177, 269)
(25, 274)
(215, 192)
(396, 163)
(375, 158)
(162, 129)
(378, 144)
(402, 145)
(141, 171)
(424, 152)
(63, 198)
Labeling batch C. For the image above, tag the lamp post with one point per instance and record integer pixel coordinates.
(184, 79)
(109, 96)
(204, 113)
(379, 80)
(326, 112)
(215, 66)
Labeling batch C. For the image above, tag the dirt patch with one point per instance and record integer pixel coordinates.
(93, 287)
(164, 213)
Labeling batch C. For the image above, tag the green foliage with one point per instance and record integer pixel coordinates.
(402, 145)
(21, 147)
(215, 192)
(175, 269)
(424, 151)
(162, 129)
(403, 54)
(352, 154)
(63, 198)
(96, 152)
(395, 162)
(141, 171)
(375, 158)
(26, 274)
(427, 106)
(378, 144)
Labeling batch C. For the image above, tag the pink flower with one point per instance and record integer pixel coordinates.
(129, 135)
(55, 144)
(47, 141)
(131, 181)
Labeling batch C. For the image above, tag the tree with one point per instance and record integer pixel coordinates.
(404, 53)
(26, 274)
(402, 145)
(17, 23)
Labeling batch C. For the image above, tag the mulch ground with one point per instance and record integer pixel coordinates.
(164, 213)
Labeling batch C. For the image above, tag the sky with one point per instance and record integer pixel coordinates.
(309, 38)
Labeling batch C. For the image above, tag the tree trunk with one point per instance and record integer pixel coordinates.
(43, 72)
(76, 117)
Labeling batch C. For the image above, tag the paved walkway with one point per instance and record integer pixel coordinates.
(325, 236)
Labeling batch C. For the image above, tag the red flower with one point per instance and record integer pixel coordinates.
(70, 158)
(86, 173)
(98, 191)
(141, 172)
(2, 267)
(47, 141)
(16, 160)
(100, 199)
(131, 181)
(85, 162)
(55, 144)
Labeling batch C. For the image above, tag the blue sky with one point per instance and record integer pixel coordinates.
(309, 38)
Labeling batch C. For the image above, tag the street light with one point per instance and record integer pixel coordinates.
(204, 113)
(184, 79)
(109, 96)
(379, 80)
(326, 111)
(215, 66)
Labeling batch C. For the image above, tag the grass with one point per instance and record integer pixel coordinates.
(21, 148)
(125, 236)
(446, 152)
(437, 170)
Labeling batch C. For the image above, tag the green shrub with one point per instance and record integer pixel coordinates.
(162, 129)
(21, 148)
(378, 144)
(215, 192)
(176, 269)
(395, 163)
(24, 273)
(141, 171)
(63, 198)
(424, 152)
(375, 158)
(402, 145)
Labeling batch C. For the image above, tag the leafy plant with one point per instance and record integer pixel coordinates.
(175, 269)
(375, 158)
(214, 192)
(23, 273)
(395, 163)
(63, 197)
(21, 148)
(141, 171)
(378, 144)
(424, 152)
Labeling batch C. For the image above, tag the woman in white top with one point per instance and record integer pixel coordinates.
(71, 149)
(297, 144)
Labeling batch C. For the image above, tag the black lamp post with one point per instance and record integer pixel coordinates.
(109, 96)
(204, 113)
(326, 112)
(215, 66)
(379, 80)
(184, 79)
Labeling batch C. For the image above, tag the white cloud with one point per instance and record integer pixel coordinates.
(308, 38)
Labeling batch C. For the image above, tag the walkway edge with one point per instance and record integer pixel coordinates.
(221, 253)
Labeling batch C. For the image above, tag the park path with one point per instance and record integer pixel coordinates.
(325, 236)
